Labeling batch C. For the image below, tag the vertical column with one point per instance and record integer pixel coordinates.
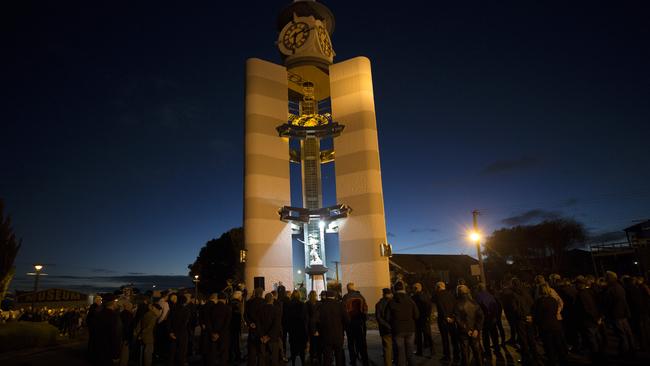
(358, 178)
(266, 177)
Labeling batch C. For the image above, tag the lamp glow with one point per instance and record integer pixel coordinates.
(38, 267)
(475, 236)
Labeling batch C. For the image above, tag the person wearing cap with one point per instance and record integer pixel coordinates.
(403, 315)
(218, 327)
(357, 308)
(468, 317)
(383, 321)
(333, 319)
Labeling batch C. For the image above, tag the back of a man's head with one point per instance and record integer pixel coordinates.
(258, 292)
(351, 287)
(417, 287)
(440, 286)
(268, 298)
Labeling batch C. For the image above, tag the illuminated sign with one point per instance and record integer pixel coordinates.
(53, 294)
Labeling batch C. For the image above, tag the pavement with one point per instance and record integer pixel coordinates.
(73, 353)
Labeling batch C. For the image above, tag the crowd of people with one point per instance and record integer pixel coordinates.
(68, 320)
(556, 315)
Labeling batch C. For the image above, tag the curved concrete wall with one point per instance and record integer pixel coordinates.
(266, 177)
(358, 178)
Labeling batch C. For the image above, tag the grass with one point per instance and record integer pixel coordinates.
(19, 335)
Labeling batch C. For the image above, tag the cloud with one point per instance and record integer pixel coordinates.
(390, 235)
(502, 166)
(529, 216)
(423, 230)
(570, 202)
(102, 270)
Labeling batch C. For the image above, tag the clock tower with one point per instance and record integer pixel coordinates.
(303, 118)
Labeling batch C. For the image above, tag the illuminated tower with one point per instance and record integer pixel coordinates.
(312, 112)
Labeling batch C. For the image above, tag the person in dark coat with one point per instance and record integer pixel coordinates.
(382, 314)
(357, 308)
(218, 327)
(91, 317)
(523, 318)
(235, 326)
(507, 299)
(109, 334)
(423, 337)
(179, 317)
(468, 317)
(568, 294)
(270, 331)
(490, 308)
(403, 315)
(204, 315)
(550, 328)
(298, 323)
(253, 316)
(445, 302)
(638, 309)
(126, 317)
(281, 301)
(313, 309)
(333, 320)
(618, 313)
(588, 317)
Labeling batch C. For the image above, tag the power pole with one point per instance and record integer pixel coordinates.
(337, 271)
(475, 214)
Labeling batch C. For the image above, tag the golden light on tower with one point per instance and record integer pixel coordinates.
(474, 236)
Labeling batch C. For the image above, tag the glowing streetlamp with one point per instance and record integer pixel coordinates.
(475, 236)
(38, 268)
(196, 287)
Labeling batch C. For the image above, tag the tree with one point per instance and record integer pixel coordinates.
(9, 246)
(218, 261)
(538, 248)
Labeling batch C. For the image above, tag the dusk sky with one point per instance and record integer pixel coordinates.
(122, 126)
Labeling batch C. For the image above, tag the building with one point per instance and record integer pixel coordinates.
(631, 256)
(431, 268)
(303, 116)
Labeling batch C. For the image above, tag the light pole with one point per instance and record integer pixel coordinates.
(196, 287)
(475, 236)
(38, 268)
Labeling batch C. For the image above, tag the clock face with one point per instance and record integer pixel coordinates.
(295, 36)
(324, 41)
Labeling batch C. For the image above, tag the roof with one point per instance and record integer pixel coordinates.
(642, 226)
(424, 262)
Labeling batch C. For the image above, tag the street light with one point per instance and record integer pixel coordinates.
(196, 287)
(38, 268)
(475, 236)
